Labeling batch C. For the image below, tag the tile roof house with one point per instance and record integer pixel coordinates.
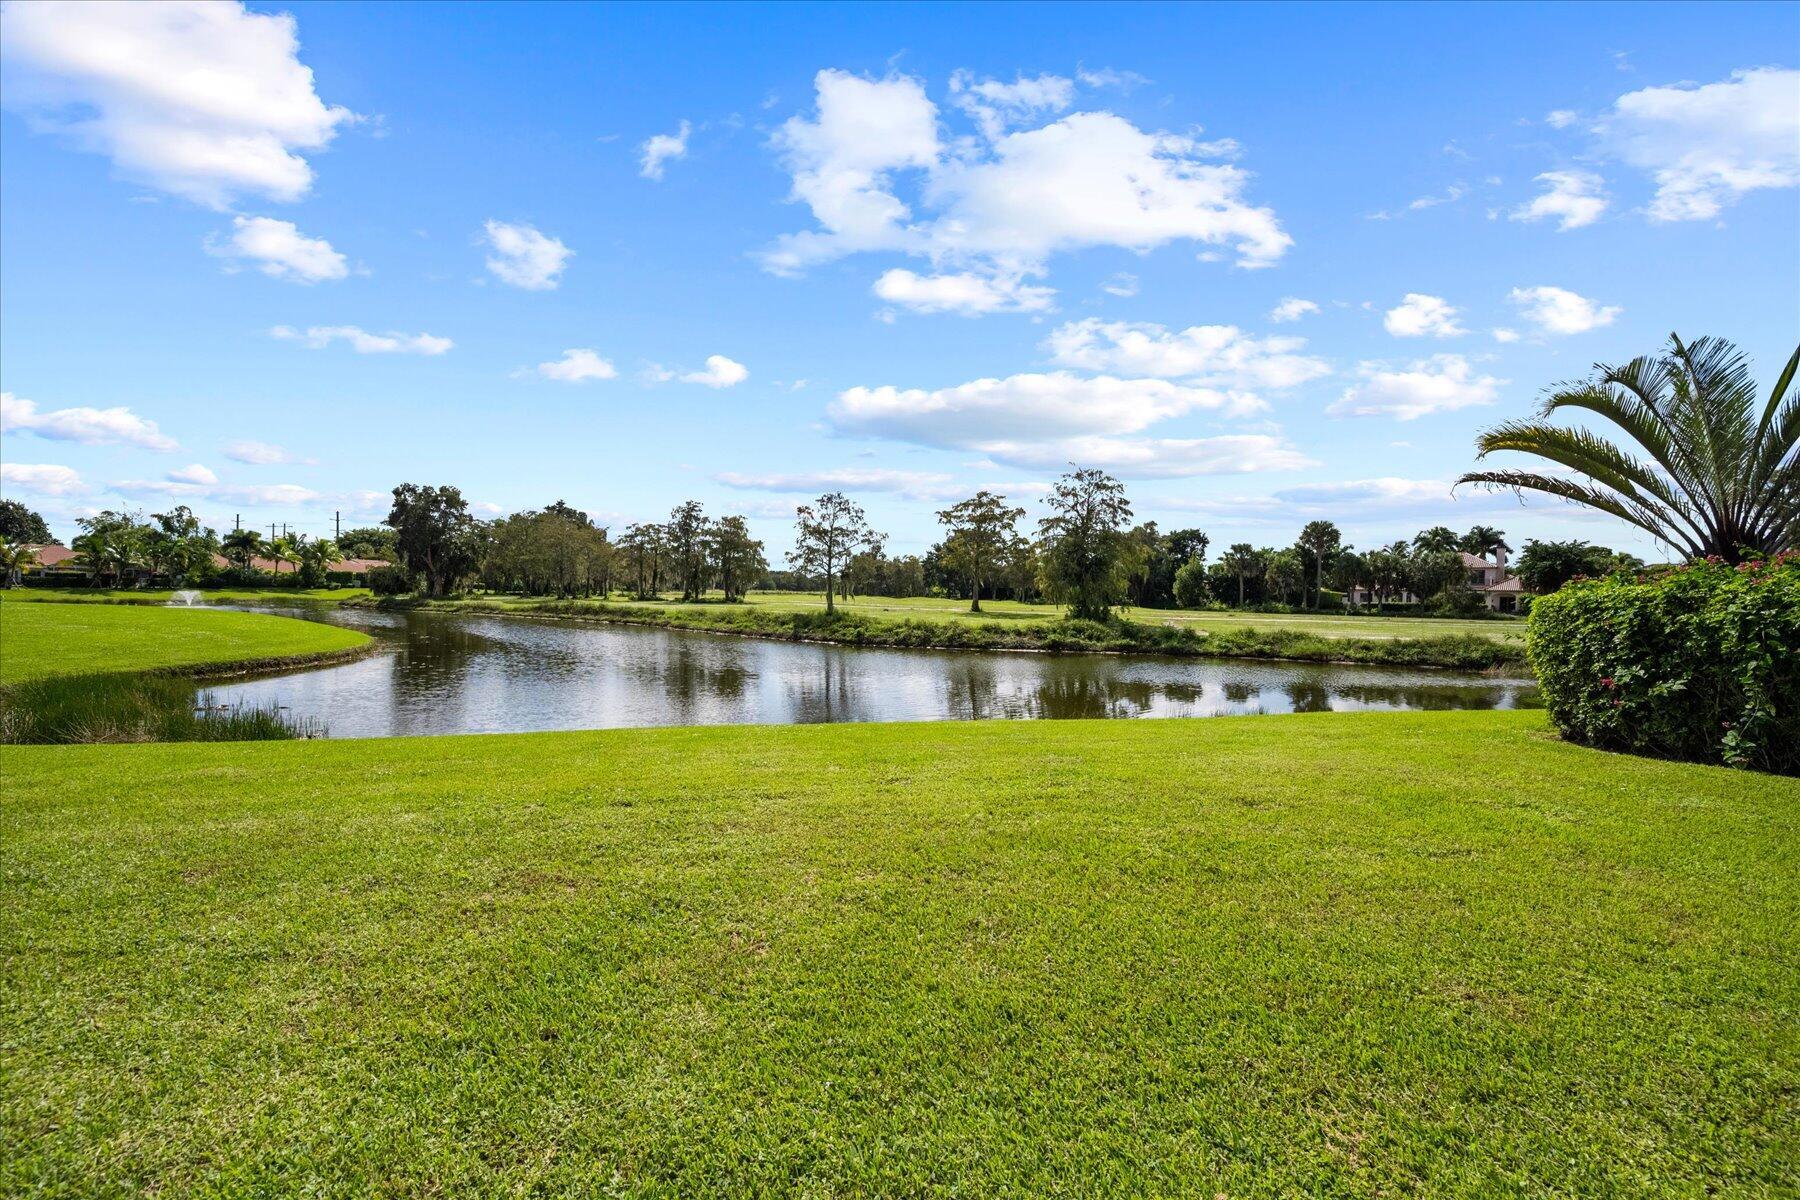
(1488, 579)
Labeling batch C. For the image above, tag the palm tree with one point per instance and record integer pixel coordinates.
(242, 545)
(14, 562)
(1323, 539)
(1484, 540)
(1240, 560)
(1720, 479)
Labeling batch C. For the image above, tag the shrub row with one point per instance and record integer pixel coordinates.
(1700, 662)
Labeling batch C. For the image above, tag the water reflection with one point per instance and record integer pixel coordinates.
(443, 673)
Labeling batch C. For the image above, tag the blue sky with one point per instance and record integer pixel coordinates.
(317, 250)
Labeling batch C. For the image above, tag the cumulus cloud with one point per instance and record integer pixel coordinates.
(1419, 315)
(317, 337)
(995, 105)
(577, 366)
(1441, 383)
(524, 257)
(207, 101)
(280, 250)
(720, 372)
(1005, 205)
(259, 454)
(1561, 118)
(966, 293)
(1559, 311)
(247, 494)
(1158, 458)
(1505, 336)
(1004, 412)
(1292, 309)
(1572, 198)
(1223, 355)
(862, 479)
(661, 149)
(192, 473)
(89, 426)
(1708, 146)
(1122, 284)
(41, 479)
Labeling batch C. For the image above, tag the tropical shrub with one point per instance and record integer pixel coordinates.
(1700, 662)
(388, 581)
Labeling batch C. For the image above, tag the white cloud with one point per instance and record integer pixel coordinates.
(280, 250)
(1561, 118)
(1223, 355)
(524, 257)
(1573, 198)
(41, 479)
(862, 479)
(192, 473)
(1003, 207)
(720, 372)
(1708, 146)
(248, 494)
(995, 105)
(967, 293)
(660, 149)
(1124, 283)
(1419, 315)
(577, 366)
(203, 100)
(1157, 458)
(317, 337)
(1004, 412)
(89, 426)
(1505, 336)
(1560, 311)
(259, 454)
(1292, 309)
(1441, 383)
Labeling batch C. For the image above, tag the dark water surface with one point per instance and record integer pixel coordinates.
(448, 673)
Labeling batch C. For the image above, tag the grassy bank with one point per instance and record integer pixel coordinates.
(163, 596)
(1347, 955)
(853, 627)
(39, 641)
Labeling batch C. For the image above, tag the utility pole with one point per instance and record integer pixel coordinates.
(337, 526)
(237, 520)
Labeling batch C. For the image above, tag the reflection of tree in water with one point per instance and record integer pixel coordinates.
(1308, 695)
(1441, 697)
(1070, 697)
(1239, 692)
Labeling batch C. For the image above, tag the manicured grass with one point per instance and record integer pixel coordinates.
(38, 641)
(1335, 955)
(1319, 624)
(162, 596)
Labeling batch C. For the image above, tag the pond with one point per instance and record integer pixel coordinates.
(448, 673)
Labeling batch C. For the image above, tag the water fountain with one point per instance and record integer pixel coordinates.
(187, 597)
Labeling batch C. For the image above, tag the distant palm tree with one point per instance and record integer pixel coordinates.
(1484, 540)
(242, 545)
(1720, 478)
(14, 562)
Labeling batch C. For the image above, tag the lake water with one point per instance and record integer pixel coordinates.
(447, 673)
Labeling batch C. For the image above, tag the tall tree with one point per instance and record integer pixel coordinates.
(826, 534)
(687, 531)
(1284, 574)
(315, 558)
(1241, 560)
(1436, 540)
(736, 557)
(1483, 540)
(981, 528)
(1709, 476)
(20, 524)
(1323, 539)
(242, 545)
(1545, 566)
(371, 541)
(1086, 561)
(434, 535)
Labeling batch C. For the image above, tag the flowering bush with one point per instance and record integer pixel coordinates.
(1700, 662)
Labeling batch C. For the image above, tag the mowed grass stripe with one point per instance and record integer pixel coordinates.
(1345, 954)
(39, 641)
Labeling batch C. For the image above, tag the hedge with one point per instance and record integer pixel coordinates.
(1700, 662)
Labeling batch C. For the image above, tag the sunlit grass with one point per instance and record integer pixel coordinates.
(1344, 955)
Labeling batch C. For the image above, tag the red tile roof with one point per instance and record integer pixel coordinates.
(50, 556)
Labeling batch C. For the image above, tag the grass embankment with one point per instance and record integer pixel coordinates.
(851, 627)
(1347, 954)
(38, 641)
(163, 596)
(110, 673)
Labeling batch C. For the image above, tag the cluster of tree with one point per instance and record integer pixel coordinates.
(20, 526)
(691, 552)
(1545, 567)
(555, 550)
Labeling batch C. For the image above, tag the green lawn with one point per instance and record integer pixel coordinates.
(161, 596)
(1334, 955)
(38, 641)
(1322, 624)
